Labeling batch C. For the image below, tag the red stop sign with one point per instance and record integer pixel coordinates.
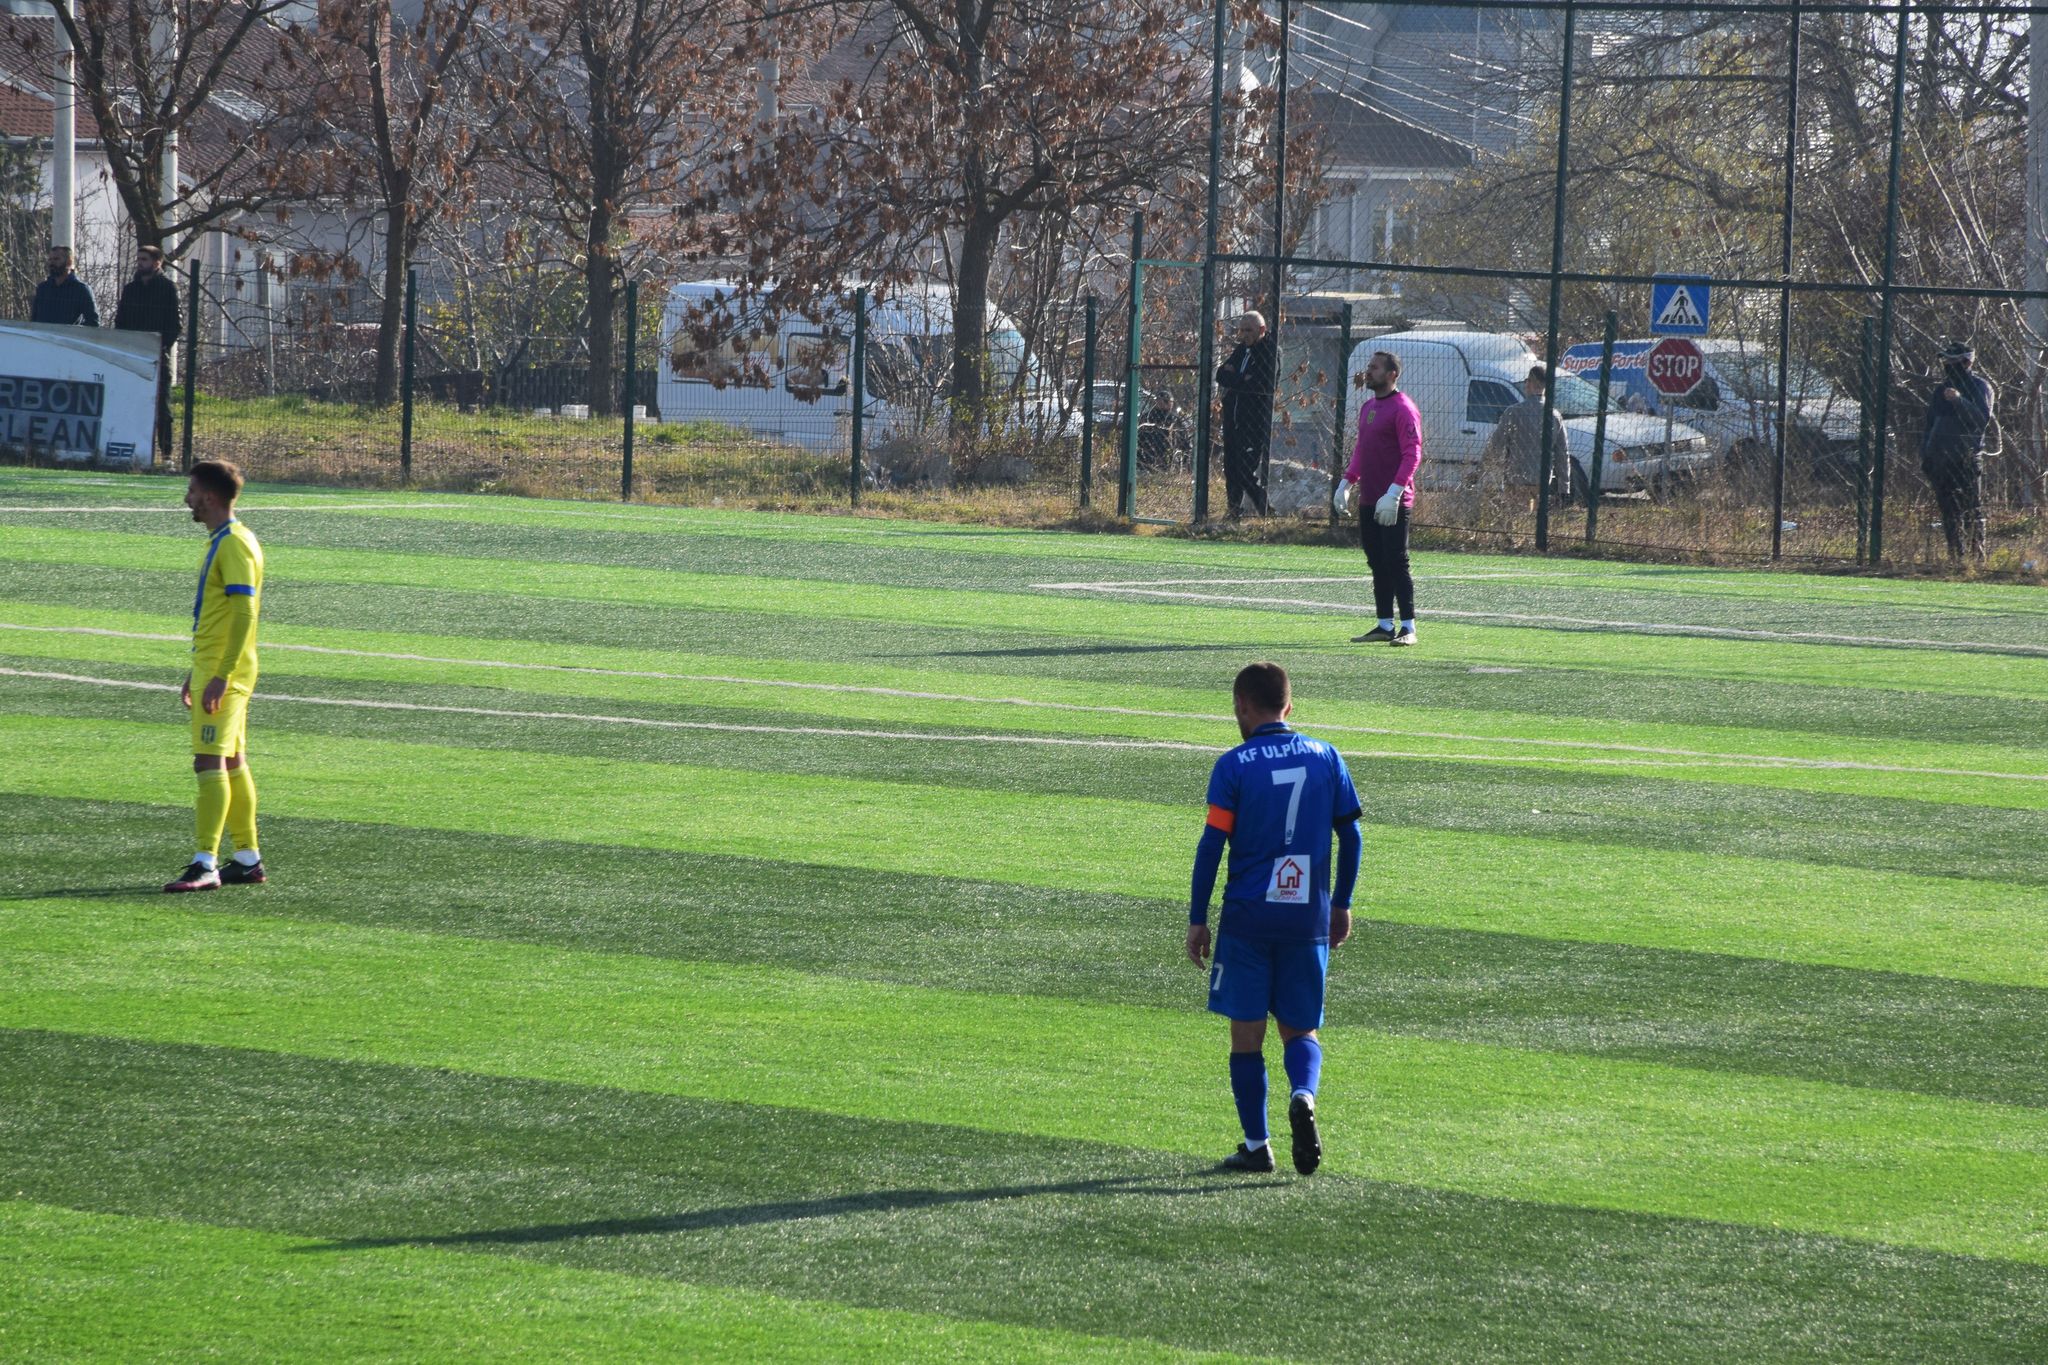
(1675, 367)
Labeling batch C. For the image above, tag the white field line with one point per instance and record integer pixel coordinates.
(1537, 618)
(1693, 757)
(912, 736)
(182, 511)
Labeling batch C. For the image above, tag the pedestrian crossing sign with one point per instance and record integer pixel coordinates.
(1678, 308)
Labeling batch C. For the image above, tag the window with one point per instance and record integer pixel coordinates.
(814, 366)
(741, 359)
(1487, 399)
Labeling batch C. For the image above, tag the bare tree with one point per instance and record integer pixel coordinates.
(620, 99)
(396, 133)
(151, 71)
(967, 119)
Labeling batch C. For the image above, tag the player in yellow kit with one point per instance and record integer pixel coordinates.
(224, 665)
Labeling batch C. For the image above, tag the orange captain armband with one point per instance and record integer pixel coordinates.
(1225, 820)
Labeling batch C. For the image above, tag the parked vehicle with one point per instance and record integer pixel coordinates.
(1736, 404)
(1463, 381)
(789, 378)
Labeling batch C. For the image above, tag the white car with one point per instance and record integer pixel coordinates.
(1463, 381)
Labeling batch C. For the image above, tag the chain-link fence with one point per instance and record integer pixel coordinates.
(1833, 195)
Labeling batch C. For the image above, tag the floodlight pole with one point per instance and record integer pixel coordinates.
(1279, 239)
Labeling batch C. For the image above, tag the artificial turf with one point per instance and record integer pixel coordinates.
(702, 933)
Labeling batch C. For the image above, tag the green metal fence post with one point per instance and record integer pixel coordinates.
(1088, 404)
(859, 389)
(1600, 429)
(1564, 144)
(1134, 386)
(632, 385)
(1864, 369)
(191, 359)
(412, 301)
(1881, 358)
(1205, 341)
(1343, 398)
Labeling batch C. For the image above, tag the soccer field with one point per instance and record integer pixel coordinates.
(701, 933)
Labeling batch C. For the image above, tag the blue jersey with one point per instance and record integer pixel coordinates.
(1278, 796)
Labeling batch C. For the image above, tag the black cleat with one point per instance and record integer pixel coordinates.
(195, 877)
(1308, 1143)
(1406, 637)
(1376, 636)
(1255, 1163)
(242, 874)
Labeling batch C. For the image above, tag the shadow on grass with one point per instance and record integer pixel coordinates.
(1057, 651)
(796, 1210)
(58, 893)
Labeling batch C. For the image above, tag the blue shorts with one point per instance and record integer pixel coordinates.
(1250, 978)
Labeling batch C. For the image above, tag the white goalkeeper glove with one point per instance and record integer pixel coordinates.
(1387, 510)
(1340, 498)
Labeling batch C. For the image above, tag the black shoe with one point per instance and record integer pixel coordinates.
(1377, 635)
(195, 877)
(1245, 1159)
(1406, 637)
(1308, 1143)
(233, 873)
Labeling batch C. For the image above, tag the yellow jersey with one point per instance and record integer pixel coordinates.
(224, 610)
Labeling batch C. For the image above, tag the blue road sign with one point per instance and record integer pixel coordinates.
(1678, 308)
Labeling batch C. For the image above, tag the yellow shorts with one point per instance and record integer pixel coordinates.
(223, 732)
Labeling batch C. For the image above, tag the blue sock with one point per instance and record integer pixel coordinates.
(1303, 1058)
(1248, 1088)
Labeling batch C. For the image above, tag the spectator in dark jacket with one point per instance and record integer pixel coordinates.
(1952, 449)
(63, 298)
(149, 303)
(1246, 380)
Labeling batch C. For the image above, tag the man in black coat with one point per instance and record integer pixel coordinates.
(149, 303)
(1952, 449)
(63, 298)
(1246, 380)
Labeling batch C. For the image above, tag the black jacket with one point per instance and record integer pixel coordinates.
(66, 302)
(149, 303)
(1957, 426)
(1247, 382)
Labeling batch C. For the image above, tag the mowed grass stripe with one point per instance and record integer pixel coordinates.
(1065, 1235)
(88, 1286)
(1942, 1037)
(1918, 771)
(937, 565)
(1071, 1235)
(1621, 808)
(1529, 694)
(723, 529)
(1058, 614)
(1907, 1170)
(1974, 930)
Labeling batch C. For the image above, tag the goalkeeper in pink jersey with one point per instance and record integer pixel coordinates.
(1388, 453)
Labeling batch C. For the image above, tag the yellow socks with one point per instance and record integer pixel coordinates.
(241, 812)
(212, 815)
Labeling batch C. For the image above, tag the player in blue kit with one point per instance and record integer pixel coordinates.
(1274, 800)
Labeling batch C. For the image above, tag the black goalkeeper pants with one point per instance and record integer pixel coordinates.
(1386, 554)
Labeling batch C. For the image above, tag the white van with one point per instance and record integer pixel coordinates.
(1463, 381)
(788, 378)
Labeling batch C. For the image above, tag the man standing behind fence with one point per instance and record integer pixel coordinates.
(1246, 379)
(1516, 447)
(1388, 454)
(1952, 449)
(63, 299)
(149, 303)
